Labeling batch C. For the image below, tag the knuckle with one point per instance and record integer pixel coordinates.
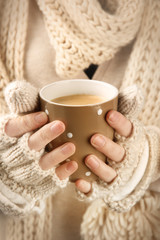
(60, 173)
(43, 135)
(120, 152)
(26, 123)
(42, 163)
(110, 146)
(108, 171)
(110, 174)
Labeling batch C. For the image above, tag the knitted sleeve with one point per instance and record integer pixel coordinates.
(141, 165)
(23, 184)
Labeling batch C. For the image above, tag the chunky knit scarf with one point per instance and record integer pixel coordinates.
(84, 32)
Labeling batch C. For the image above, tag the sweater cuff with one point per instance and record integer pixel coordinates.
(22, 164)
(148, 169)
(14, 204)
(124, 191)
(151, 174)
(134, 148)
(92, 195)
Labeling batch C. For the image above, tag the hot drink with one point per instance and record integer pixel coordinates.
(79, 99)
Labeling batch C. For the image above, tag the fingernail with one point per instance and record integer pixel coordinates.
(40, 117)
(98, 141)
(66, 149)
(112, 116)
(57, 127)
(86, 186)
(71, 166)
(92, 162)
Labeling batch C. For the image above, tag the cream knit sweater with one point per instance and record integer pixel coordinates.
(98, 37)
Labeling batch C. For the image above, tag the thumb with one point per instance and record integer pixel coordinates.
(130, 101)
(21, 96)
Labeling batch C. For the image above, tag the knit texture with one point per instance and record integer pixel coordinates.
(131, 102)
(82, 32)
(35, 226)
(75, 47)
(21, 97)
(141, 222)
(20, 170)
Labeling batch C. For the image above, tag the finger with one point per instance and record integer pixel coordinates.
(101, 169)
(119, 122)
(66, 169)
(57, 155)
(109, 148)
(18, 126)
(83, 186)
(46, 134)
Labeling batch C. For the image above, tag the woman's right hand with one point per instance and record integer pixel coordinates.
(46, 132)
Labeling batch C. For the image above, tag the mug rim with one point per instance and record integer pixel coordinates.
(74, 80)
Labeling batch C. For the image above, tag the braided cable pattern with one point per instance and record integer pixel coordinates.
(109, 27)
(21, 39)
(144, 63)
(11, 38)
(75, 48)
(13, 30)
(4, 27)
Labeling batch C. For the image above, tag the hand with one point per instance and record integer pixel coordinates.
(26, 170)
(133, 163)
(39, 139)
(109, 148)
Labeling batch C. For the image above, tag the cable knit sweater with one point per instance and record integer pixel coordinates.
(81, 33)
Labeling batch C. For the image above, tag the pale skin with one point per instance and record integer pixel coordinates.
(49, 131)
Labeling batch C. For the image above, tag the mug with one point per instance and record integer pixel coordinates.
(81, 121)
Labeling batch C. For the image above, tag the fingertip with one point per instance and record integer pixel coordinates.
(111, 116)
(75, 164)
(119, 122)
(57, 127)
(61, 125)
(83, 186)
(71, 167)
(65, 170)
(93, 137)
(41, 117)
(73, 148)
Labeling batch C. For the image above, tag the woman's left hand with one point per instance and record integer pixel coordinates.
(110, 149)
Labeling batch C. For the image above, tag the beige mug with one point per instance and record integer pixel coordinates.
(81, 121)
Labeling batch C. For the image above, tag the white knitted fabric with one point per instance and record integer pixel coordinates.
(82, 32)
(131, 102)
(141, 222)
(20, 170)
(75, 47)
(21, 97)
